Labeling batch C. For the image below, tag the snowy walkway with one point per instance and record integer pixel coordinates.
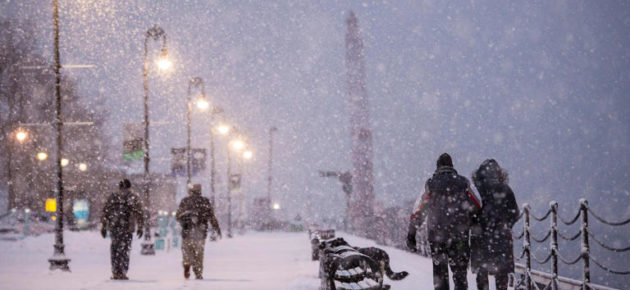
(251, 261)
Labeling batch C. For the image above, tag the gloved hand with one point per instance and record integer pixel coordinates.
(139, 233)
(103, 231)
(411, 242)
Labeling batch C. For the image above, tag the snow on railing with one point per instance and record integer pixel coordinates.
(554, 254)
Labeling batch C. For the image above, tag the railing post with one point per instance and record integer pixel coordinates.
(526, 248)
(585, 251)
(554, 244)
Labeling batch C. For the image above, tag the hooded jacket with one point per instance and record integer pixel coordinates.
(122, 212)
(448, 205)
(492, 246)
(194, 214)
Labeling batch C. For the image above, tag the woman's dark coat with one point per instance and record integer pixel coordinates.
(491, 241)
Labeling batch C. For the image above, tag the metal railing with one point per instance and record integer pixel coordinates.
(554, 256)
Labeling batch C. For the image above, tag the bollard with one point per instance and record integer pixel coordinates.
(585, 252)
(27, 221)
(554, 244)
(526, 247)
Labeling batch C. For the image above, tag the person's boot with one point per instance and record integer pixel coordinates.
(186, 271)
(197, 273)
(124, 277)
(115, 276)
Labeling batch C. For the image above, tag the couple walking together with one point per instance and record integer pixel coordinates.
(123, 213)
(463, 228)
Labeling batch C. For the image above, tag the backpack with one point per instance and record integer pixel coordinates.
(449, 216)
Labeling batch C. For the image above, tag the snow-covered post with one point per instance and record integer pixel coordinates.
(27, 220)
(585, 251)
(526, 247)
(554, 244)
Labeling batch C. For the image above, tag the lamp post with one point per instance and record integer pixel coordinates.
(59, 259)
(195, 82)
(269, 176)
(222, 129)
(154, 33)
(236, 145)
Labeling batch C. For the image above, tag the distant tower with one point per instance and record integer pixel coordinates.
(362, 199)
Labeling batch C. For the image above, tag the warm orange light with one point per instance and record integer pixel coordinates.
(238, 145)
(223, 129)
(41, 156)
(21, 135)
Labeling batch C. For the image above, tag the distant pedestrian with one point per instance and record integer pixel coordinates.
(122, 214)
(449, 206)
(491, 243)
(194, 214)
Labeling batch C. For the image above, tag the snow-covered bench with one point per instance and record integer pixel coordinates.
(317, 235)
(343, 267)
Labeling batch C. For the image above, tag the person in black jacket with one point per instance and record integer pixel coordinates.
(194, 214)
(492, 249)
(122, 214)
(449, 207)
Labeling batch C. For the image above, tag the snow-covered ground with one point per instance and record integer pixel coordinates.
(250, 261)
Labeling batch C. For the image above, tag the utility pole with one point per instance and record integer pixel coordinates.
(269, 175)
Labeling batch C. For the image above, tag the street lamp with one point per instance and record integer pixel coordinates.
(237, 145)
(269, 176)
(248, 154)
(155, 33)
(58, 260)
(222, 129)
(41, 156)
(64, 162)
(195, 82)
(21, 135)
(82, 167)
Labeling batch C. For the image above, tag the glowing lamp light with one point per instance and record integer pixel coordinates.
(64, 162)
(238, 145)
(82, 166)
(248, 154)
(41, 156)
(21, 136)
(276, 206)
(223, 129)
(203, 104)
(163, 63)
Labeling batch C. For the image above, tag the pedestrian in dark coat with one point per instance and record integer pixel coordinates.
(492, 250)
(449, 206)
(122, 215)
(194, 214)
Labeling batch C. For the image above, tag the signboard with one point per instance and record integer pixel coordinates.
(51, 205)
(133, 138)
(197, 162)
(235, 182)
(178, 162)
(81, 211)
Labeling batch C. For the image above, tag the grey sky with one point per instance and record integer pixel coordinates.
(540, 86)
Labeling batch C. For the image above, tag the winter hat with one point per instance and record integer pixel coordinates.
(195, 188)
(124, 184)
(444, 160)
